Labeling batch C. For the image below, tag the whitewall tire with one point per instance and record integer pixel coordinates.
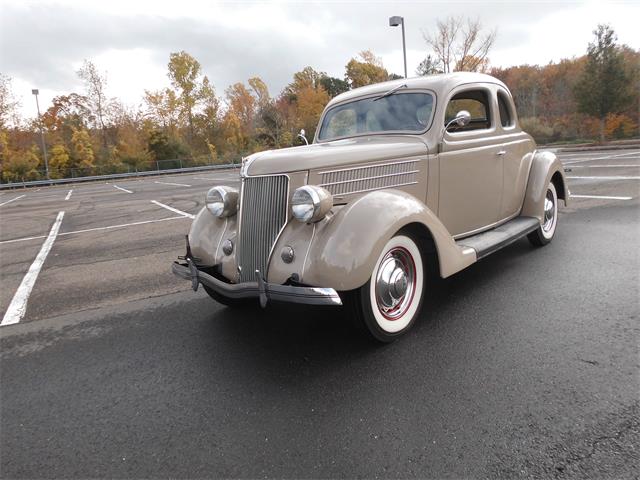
(389, 303)
(547, 229)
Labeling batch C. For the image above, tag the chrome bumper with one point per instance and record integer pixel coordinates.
(259, 289)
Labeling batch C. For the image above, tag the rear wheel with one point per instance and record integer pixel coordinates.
(547, 229)
(389, 303)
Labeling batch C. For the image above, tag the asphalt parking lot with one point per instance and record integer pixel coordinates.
(524, 365)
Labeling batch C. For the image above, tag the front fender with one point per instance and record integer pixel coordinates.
(544, 167)
(343, 247)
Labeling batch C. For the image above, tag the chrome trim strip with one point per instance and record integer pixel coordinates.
(373, 165)
(341, 195)
(369, 178)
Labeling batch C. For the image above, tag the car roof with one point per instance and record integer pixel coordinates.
(440, 84)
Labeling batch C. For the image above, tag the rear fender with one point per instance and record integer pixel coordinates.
(544, 167)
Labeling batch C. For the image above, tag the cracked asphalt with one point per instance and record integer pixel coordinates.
(525, 365)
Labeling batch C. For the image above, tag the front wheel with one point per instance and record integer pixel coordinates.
(389, 303)
(546, 230)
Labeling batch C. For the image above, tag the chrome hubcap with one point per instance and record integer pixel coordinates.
(395, 283)
(549, 211)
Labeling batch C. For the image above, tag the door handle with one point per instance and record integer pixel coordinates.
(501, 153)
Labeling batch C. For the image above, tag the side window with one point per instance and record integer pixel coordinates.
(506, 118)
(342, 123)
(476, 102)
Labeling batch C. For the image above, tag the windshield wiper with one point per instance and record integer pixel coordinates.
(390, 92)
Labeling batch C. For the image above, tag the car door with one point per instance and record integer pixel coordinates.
(471, 164)
(518, 149)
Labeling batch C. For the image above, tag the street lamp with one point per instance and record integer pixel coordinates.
(394, 22)
(44, 146)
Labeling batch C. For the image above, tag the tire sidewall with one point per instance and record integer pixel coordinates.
(380, 327)
(547, 236)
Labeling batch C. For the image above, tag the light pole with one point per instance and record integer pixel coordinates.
(394, 22)
(44, 146)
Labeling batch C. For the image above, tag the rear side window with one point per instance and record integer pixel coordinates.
(506, 118)
(476, 102)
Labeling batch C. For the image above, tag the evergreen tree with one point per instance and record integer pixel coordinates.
(603, 86)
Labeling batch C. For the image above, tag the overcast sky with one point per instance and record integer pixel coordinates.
(42, 43)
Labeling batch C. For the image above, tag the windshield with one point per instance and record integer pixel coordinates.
(400, 112)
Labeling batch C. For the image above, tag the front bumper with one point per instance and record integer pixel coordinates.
(259, 289)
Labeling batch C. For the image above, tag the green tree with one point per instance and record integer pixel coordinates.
(603, 86)
(428, 66)
(333, 86)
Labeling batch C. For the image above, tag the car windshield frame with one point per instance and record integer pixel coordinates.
(373, 97)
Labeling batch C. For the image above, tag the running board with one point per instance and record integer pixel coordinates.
(486, 243)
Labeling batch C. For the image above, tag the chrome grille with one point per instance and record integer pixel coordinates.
(262, 216)
(371, 177)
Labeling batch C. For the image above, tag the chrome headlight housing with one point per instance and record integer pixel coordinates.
(222, 201)
(310, 203)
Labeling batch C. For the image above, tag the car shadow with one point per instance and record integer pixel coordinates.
(294, 335)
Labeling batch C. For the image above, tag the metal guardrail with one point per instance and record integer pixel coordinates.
(60, 181)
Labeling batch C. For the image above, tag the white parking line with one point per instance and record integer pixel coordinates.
(12, 200)
(174, 210)
(68, 195)
(109, 227)
(604, 197)
(606, 166)
(608, 178)
(18, 306)
(123, 189)
(175, 184)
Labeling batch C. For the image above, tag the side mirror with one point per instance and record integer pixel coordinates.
(462, 119)
(302, 136)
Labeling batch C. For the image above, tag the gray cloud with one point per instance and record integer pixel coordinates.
(41, 43)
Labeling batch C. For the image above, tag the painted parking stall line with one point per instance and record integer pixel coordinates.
(173, 184)
(174, 210)
(95, 229)
(18, 306)
(12, 200)
(68, 195)
(603, 197)
(604, 177)
(123, 189)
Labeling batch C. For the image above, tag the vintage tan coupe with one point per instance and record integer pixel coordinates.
(403, 175)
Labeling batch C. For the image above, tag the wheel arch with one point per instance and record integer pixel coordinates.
(545, 168)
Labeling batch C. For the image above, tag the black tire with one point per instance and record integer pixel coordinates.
(227, 301)
(546, 231)
(366, 305)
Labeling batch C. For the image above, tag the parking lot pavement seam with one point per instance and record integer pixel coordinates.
(18, 306)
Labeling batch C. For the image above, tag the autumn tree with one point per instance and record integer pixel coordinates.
(603, 86)
(58, 161)
(82, 150)
(184, 72)
(460, 44)
(366, 70)
(98, 103)
(8, 103)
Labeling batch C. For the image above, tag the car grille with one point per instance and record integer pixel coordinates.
(263, 213)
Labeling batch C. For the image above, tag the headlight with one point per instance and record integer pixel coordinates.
(310, 204)
(222, 201)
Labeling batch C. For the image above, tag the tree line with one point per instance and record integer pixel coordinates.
(595, 96)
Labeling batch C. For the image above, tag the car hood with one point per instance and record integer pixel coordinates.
(337, 153)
